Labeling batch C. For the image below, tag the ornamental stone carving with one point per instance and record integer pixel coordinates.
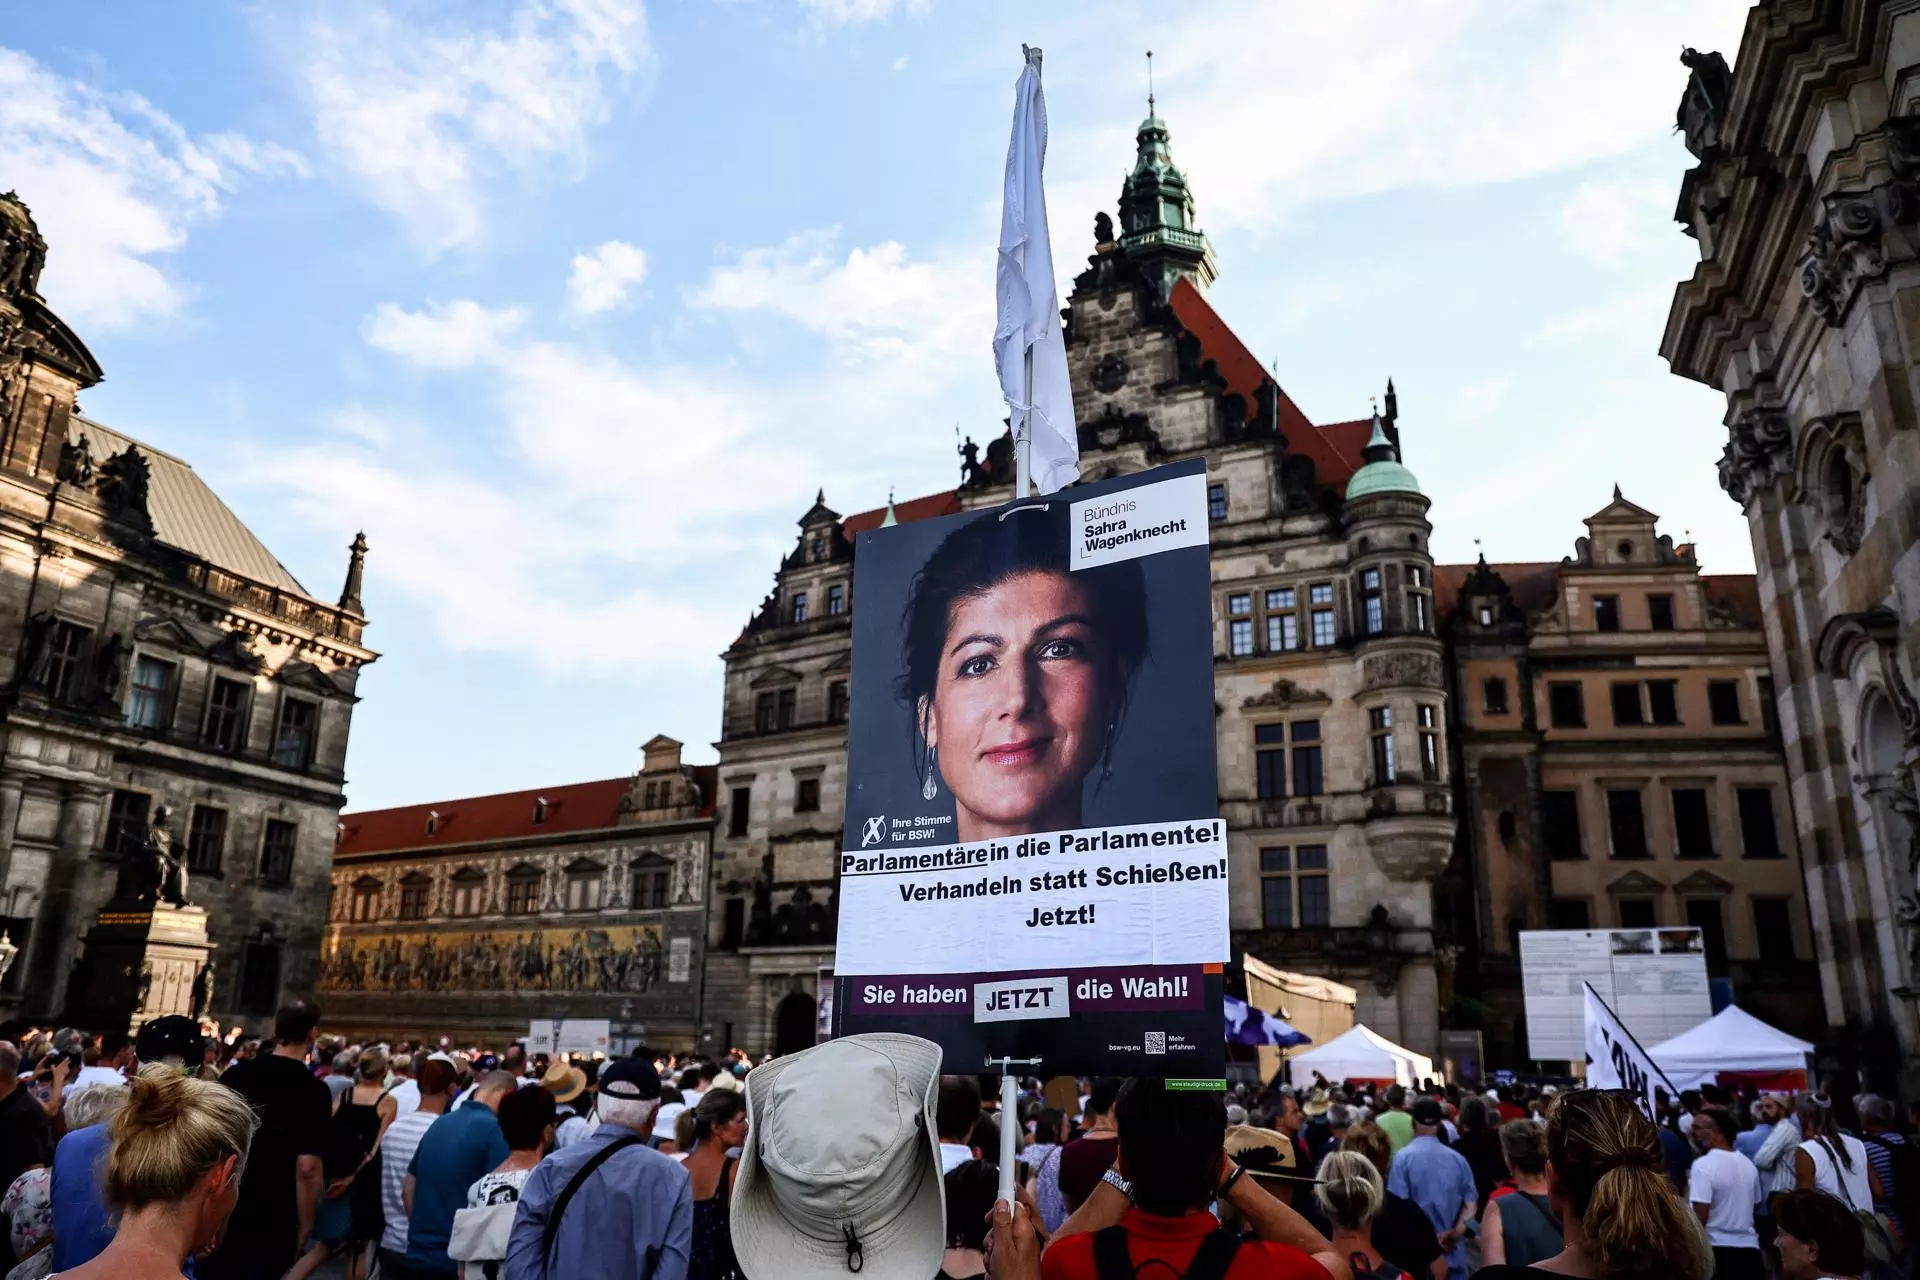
(1285, 693)
(1844, 248)
(1421, 670)
(1759, 451)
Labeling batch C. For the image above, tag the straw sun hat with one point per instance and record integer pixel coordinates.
(841, 1172)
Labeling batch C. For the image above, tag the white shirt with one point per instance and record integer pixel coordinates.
(952, 1156)
(1728, 1183)
(406, 1096)
(396, 1153)
(90, 1076)
(1857, 1192)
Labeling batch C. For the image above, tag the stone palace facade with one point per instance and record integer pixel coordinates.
(1805, 311)
(155, 659)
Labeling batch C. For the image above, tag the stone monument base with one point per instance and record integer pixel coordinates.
(141, 961)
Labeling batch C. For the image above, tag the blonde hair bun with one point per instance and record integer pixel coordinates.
(172, 1131)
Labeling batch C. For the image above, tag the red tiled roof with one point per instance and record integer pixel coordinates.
(575, 806)
(1739, 592)
(934, 504)
(1533, 584)
(1335, 456)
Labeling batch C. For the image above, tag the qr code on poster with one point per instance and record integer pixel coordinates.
(1156, 1042)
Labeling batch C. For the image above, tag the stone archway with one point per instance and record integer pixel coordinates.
(794, 1023)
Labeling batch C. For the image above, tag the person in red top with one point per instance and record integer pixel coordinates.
(1152, 1206)
(1509, 1109)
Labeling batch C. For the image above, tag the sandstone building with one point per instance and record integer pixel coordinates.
(157, 666)
(1334, 773)
(1805, 311)
(473, 917)
(1619, 764)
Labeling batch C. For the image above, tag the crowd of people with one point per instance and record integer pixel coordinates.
(179, 1152)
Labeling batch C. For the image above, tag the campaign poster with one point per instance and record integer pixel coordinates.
(1033, 865)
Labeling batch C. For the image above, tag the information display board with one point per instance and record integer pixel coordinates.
(569, 1035)
(1655, 980)
(1033, 864)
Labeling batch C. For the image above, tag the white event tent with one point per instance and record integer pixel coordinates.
(1359, 1054)
(1732, 1041)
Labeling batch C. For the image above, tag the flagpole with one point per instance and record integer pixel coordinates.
(1023, 439)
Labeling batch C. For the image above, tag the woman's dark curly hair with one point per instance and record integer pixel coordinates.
(985, 552)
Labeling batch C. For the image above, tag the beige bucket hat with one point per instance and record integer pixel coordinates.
(841, 1172)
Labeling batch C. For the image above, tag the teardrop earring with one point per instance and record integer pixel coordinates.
(928, 788)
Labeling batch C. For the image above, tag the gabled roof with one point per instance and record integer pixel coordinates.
(572, 807)
(189, 515)
(1532, 584)
(1622, 511)
(934, 504)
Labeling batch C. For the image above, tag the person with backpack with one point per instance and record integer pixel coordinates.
(609, 1205)
(1149, 1213)
(529, 1121)
(1350, 1192)
(1896, 1163)
(1520, 1226)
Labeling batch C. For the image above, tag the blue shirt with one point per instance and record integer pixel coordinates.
(1749, 1143)
(456, 1149)
(1439, 1180)
(81, 1227)
(632, 1220)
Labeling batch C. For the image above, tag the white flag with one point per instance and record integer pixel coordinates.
(1029, 308)
(1615, 1059)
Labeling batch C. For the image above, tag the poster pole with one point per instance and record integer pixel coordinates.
(1023, 440)
(1009, 1119)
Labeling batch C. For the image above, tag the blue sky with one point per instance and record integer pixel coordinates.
(572, 304)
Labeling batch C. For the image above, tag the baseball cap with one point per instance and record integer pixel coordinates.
(1427, 1111)
(630, 1079)
(174, 1036)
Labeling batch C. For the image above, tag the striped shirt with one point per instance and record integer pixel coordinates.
(396, 1154)
(1880, 1155)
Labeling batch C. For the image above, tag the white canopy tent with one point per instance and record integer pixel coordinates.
(1359, 1054)
(1731, 1040)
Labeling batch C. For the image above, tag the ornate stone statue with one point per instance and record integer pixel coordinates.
(123, 487)
(203, 991)
(109, 669)
(1703, 107)
(1102, 230)
(36, 655)
(76, 463)
(166, 875)
(969, 463)
(23, 251)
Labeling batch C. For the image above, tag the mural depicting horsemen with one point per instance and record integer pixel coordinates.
(625, 960)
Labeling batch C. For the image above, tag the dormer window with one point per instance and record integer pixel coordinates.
(540, 811)
(1486, 615)
(433, 822)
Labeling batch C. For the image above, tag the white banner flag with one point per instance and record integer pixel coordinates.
(1029, 306)
(1615, 1059)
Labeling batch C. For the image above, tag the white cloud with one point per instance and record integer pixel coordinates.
(424, 116)
(900, 63)
(114, 184)
(1627, 321)
(848, 12)
(449, 335)
(1482, 399)
(600, 280)
(1610, 222)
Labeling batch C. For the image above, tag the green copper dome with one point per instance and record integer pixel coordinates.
(1384, 473)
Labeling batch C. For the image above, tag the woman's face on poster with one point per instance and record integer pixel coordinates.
(1018, 712)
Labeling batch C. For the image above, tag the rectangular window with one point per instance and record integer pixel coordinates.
(1287, 898)
(1280, 598)
(1692, 825)
(1769, 712)
(276, 851)
(1566, 706)
(523, 895)
(260, 978)
(583, 891)
(366, 900)
(1704, 915)
(733, 924)
(836, 600)
(1240, 637)
(1216, 502)
(1759, 837)
(659, 890)
(1376, 620)
(1380, 721)
(789, 699)
(1626, 824)
(766, 709)
(206, 838)
(1320, 593)
(837, 702)
(1569, 913)
(1429, 744)
(1663, 702)
(1773, 927)
(652, 800)
(1560, 824)
(469, 893)
(1315, 902)
(1371, 610)
(1276, 890)
(66, 644)
(1323, 628)
(227, 706)
(738, 808)
(806, 795)
(1417, 612)
(1271, 759)
(799, 606)
(1626, 704)
(1239, 605)
(1283, 632)
(1723, 701)
(126, 821)
(413, 898)
(150, 700)
(1307, 779)
(1493, 695)
(293, 740)
(1660, 612)
(1638, 913)
(1606, 613)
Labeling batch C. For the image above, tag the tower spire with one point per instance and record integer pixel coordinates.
(1157, 225)
(1150, 110)
(356, 566)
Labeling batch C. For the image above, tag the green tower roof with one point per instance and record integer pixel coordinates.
(1383, 472)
